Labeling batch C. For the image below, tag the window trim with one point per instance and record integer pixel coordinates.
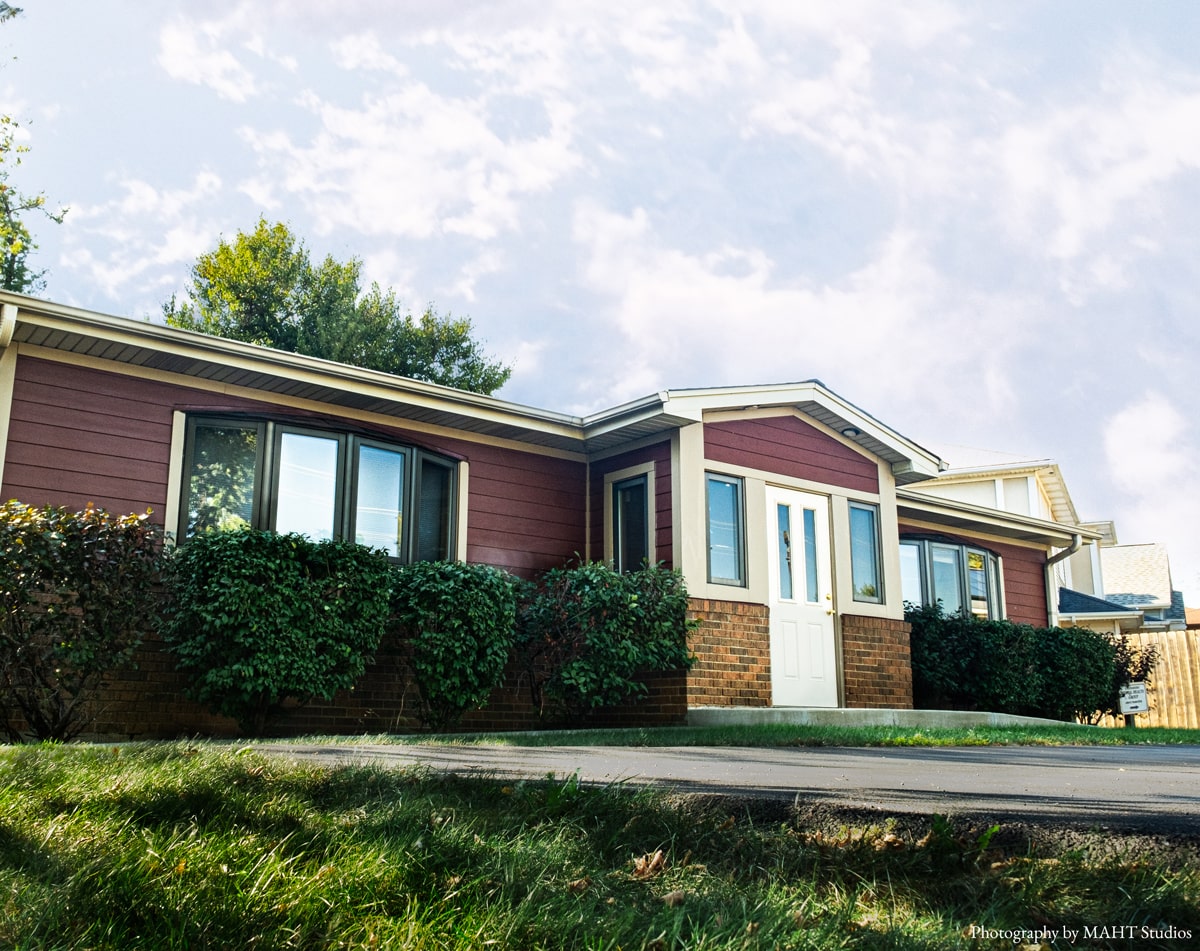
(612, 479)
(739, 485)
(264, 508)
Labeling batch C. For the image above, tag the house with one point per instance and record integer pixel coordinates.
(991, 539)
(1139, 577)
(800, 522)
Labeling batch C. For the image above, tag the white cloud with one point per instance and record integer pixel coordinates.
(110, 244)
(734, 316)
(414, 163)
(1153, 454)
(193, 52)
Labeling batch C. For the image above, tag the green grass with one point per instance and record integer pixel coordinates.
(212, 846)
(790, 735)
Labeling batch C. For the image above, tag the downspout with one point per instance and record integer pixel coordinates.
(1051, 587)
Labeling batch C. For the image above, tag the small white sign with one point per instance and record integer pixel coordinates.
(1134, 699)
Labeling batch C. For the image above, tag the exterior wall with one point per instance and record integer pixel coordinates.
(660, 455)
(876, 662)
(733, 655)
(79, 434)
(148, 703)
(791, 447)
(1023, 570)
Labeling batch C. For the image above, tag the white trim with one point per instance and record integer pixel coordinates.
(175, 473)
(620, 475)
(8, 323)
(8, 379)
(462, 511)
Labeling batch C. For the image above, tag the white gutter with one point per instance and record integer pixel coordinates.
(1051, 587)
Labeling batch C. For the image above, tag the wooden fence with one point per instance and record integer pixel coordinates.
(1174, 691)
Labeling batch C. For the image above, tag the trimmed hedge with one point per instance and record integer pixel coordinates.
(586, 634)
(456, 621)
(258, 618)
(960, 662)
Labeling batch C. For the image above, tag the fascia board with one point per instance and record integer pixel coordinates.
(906, 457)
(123, 331)
(965, 515)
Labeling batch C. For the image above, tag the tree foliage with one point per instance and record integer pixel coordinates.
(78, 590)
(16, 240)
(262, 287)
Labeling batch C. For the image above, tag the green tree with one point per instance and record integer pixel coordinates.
(263, 288)
(16, 240)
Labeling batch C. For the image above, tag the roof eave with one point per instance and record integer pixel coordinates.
(952, 513)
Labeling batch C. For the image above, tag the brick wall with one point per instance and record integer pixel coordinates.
(148, 703)
(733, 651)
(876, 662)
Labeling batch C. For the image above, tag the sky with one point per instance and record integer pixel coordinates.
(976, 221)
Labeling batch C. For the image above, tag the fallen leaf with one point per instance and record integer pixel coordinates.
(673, 899)
(579, 886)
(649, 864)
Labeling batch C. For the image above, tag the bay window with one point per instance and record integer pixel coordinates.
(287, 478)
(965, 579)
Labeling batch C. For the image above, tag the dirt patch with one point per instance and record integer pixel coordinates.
(1095, 844)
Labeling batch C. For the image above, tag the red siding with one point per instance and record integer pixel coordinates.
(660, 455)
(790, 447)
(1024, 572)
(80, 434)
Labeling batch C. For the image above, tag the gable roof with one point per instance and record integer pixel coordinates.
(1076, 602)
(85, 335)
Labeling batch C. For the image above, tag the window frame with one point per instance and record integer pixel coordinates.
(992, 569)
(617, 522)
(267, 471)
(876, 566)
(739, 528)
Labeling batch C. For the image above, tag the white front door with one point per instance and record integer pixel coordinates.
(803, 658)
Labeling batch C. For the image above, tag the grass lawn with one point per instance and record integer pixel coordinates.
(216, 846)
(778, 734)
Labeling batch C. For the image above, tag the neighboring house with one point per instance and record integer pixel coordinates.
(991, 540)
(1139, 577)
(779, 504)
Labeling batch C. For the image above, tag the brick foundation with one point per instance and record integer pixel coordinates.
(148, 703)
(876, 663)
(733, 655)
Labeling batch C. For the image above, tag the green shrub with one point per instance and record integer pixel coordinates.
(960, 662)
(259, 618)
(78, 591)
(1078, 666)
(586, 633)
(456, 621)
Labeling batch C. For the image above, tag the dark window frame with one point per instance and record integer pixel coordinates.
(876, 554)
(619, 527)
(739, 529)
(992, 572)
(264, 507)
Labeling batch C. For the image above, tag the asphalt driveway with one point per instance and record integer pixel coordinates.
(1145, 789)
